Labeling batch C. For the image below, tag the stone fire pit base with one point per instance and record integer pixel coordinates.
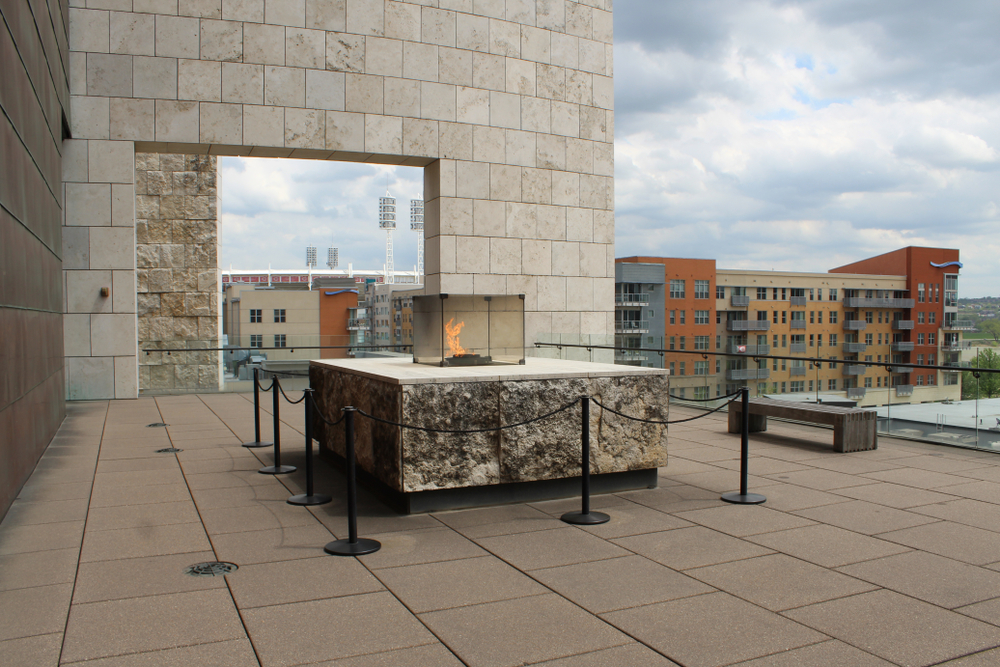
(422, 471)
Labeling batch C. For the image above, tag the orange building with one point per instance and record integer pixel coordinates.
(333, 317)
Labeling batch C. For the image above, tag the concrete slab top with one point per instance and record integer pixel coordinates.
(404, 371)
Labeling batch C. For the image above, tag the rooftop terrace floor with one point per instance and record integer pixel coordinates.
(871, 558)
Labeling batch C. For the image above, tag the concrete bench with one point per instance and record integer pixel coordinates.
(853, 430)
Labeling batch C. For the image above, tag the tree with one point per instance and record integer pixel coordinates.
(991, 327)
(988, 384)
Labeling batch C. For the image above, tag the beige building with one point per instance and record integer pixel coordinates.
(283, 324)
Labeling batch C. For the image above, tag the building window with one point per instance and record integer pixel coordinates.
(920, 317)
(683, 318)
(701, 289)
(920, 339)
(868, 382)
(255, 315)
(279, 314)
(682, 347)
(932, 338)
(812, 317)
(701, 317)
(257, 340)
(796, 386)
(920, 360)
(819, 317)
(761, 293)
(920, 380)
(833, 340)
(701, 368)
(869, 339)
(932, 317)
(833, 317)
(279, 340)
(677, 289)
(718, 342)
(931, 379)
(673, 317)
(720, 292)
(701, 393)
(833, 362)
(782, 387)
(812, 340)
(682, 367)
(701, 342)
(920, 292)
(831, 385)
(819, 340)
(819, 293)
(672, 338)
(784, 317)
(833, 294)
(869, 318)
(672, 368)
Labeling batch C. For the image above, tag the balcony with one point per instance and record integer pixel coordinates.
(797, 370)
(900, 369)
(902, 346)
(739, 300)
(797, 324)
(855, 392)
(904, 390)
(960, 325)
(855, 325)
(797, 348)
(752, 350)
(956, 346)
(748, 325)
(885, 302)
(637, 299)
(855, 348)
(630, 356)
(357, 324)
(747, 374)
(902, 325)
(956, 366)
(853, 369)
(632, 326)
(797, 301)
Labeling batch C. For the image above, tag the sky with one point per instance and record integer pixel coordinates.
(794, 136)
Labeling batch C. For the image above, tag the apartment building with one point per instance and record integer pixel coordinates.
(890, 310)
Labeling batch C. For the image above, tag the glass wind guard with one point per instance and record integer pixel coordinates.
(467, 330)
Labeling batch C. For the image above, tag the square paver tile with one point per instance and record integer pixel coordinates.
(765, 581)
(550, 548)
(271, 546)
(964, 510)
(110, 496)
(102, 629)
(791, 497)
(34, 611)
(428, 655)
(40, 537)
(332, 628)
(864, 517)
(894, 495)
(827, 546)
(457, 583)
(722, 481)
(629, 654)
(38, 568)
(633, 519)
(522, 631)
(738, 630)
(988, 611)
(931, 578)
(921, 479)
(38, 651)
(265, 515)
(240, 496)
(851, 466)
(147, 541)
(743, 520)
(228, 653)
(503, 520)
(982, 659)
(833, 653)
(898, 628)
(138, 577)
(953, 540)
(24, 513)
(619, 583)
(691, 547)
(988, 492)
(822, 480)
(324, 576)
(427, 545)
(141, 516)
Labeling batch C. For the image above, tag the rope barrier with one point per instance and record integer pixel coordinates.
(474, 430)
(282, 390)
(656, 421)
(323, 419)
(704, 400)
(259, 387)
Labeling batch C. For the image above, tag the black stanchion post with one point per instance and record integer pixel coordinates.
(585, 517)
(309, 497)
(277, 468)
(744, 498)
(256, 415)
(351, 546)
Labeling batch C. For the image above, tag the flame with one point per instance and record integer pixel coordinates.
(453, 330)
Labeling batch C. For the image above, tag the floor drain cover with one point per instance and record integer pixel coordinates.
(168, 450)
(156, 425)
(210, 569)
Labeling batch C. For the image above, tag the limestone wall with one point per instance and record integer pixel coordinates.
(177, 275)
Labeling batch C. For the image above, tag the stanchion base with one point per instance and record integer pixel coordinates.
(276, 470)
(253, 445)
(581, 519)
(359, 548)
(306, 499)
(743, 499)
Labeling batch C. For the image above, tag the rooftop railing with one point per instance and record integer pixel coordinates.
(748, 325)
(883, 302)
(855, 325)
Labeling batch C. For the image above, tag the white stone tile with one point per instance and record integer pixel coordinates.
(457, 283)
(109, 75)
(402, 21)
(565, 258)
(550, 151)
(455, 140)
(488, 71)
(305, 48)
(550, 14)
(551, 222)
(123, 291)
(489, 218)
(366, 17)
(132, 120)
(77, 73)
(284, 86)
(123, 205)
(536, 257)
(604, 92)
(536, 186)
(580, 226)
(447, 173)
(88, 204)
(536, 116)
(325, 90)
(505, 110)
(593, 260)
(526, 285)
(455, 216)
(473, 106)
(243, 84)
(76, 335)
(420, 61)
(494, 8)
(199, 80)
(326, 14)
(345, 53)
(579, 20)
(522, 221)
(473, 180)
(603, 26)
(535, 45)
(91, 117)
(593, 191)
(111, 162)
(505, 38)
(473, 32)
(437, 26)
(285, 12)
(112, 248)
(505, 182)
(112, 334)
(550, 82)
(454, 66)
(222, 40)
(383, 56)
(207, 9)
(551, 293)
(520, 76)
(579, 155)
(520, 148)
(132, 34)
(154, 77)
(420, 137)
(243, 10)
(264, 44)
(364, 93)
(592, 56)
(569, 323)
(154, 6)
(438, 101)
(74, 161)
(345, 131)
(177, 121)
(604, 227)
(305, 128)
(472, 254)
(221, 123)
(565, 188)
(126, 377)
(90, 30)
(263, 126)
(76, 247)
(485, 283)
(90, 378)
(383, 134)
(580, 87)
(521, 11)
(566, 119)
(83, 291)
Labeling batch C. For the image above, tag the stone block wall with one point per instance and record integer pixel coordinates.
(177, 274)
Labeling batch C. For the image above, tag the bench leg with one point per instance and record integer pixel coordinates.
(758, 423)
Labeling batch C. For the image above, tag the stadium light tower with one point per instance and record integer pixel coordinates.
(311, 262)
(332, 257)
(387, 221)
(417, 225)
